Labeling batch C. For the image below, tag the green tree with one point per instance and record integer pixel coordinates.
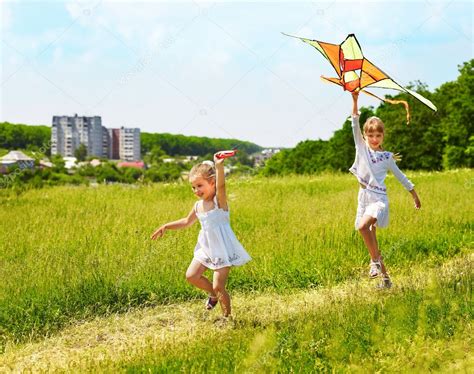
(242, 158)
(81, 152)
(163, 172)
(456, 111)
(108, 172)
(155, 155)
(59, 164)
(132, 174)
(420, 142)
(309, 156)
(175, 145)
(18, 136)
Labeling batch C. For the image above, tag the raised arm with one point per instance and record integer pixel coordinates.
(358, 138)
(175, 225)
(220, 183)
(355, 106)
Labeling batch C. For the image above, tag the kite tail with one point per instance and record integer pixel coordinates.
(403, 102)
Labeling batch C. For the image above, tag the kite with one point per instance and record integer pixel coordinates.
(347, 59)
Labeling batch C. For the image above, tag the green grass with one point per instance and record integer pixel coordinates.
(73, 253)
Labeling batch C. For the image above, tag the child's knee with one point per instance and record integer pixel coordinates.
(191, 276)
(364, 227)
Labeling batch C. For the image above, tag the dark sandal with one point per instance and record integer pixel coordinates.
(210, 303)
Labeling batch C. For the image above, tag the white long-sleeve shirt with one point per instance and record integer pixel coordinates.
(370, 167)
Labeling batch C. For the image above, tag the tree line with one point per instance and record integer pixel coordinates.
(174, 145)
(36, 138)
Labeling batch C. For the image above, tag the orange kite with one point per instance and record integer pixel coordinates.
(347, 59)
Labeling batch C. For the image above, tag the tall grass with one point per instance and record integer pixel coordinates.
(71, 253)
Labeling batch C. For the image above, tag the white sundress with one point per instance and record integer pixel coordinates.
(217, 245)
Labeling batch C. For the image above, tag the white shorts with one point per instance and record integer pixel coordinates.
(372, 204)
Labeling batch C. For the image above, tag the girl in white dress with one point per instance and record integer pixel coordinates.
(217, 248)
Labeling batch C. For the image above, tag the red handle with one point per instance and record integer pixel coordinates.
(225, 154)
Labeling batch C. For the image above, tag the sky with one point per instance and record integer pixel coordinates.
(218, 69)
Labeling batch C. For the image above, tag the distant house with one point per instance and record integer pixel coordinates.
(95, 162)
(190, 158)
(45, 164)
(69, 162)
(17, 158)
(130, 164)
(260, 158)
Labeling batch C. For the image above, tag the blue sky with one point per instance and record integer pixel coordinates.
(217, 69)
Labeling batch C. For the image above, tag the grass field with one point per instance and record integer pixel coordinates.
(78, 271)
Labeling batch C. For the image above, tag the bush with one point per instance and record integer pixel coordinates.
(164, 172)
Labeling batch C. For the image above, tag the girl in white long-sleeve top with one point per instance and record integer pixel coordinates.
(370, 167)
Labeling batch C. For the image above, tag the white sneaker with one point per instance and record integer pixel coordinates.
(375, 269)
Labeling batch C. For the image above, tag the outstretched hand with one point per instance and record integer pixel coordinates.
(417, 202)
(397, 157)
(416, 199)
(158, 233)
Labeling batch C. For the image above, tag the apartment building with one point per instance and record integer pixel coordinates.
(68, 132)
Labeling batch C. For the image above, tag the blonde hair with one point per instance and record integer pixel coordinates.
(374, 124)
(204, 169)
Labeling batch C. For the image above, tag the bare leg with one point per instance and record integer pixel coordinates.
(368, 232)
(219, 282)
(195, 277)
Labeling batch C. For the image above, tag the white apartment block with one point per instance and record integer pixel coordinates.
(130, 144)
(67, 133)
